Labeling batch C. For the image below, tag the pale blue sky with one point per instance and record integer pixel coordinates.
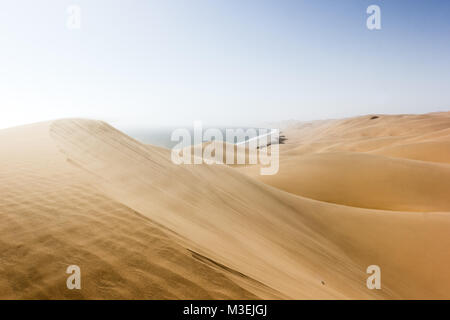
(225, 62)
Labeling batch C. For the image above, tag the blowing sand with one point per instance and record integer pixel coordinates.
(350, 193)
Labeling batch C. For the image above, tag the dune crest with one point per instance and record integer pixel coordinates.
(399, 162)
(81, 192)
(217, 211)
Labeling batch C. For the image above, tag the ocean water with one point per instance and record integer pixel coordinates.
(162, 136)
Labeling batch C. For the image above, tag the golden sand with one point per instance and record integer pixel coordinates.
(350, 193)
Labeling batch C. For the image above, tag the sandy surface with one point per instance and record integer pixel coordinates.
(350, 193)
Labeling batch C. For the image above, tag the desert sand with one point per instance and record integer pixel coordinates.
(350, 193)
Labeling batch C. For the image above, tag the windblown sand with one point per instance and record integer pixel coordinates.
(350, 193)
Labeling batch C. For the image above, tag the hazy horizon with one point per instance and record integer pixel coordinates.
(153, 63)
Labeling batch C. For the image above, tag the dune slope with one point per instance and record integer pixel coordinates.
(216, 211)
(365, 180)
(398, 162)
(52, 216)
(80, 192)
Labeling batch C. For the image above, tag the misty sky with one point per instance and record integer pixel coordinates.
(225, 62)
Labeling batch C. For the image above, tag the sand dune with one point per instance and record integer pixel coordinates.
(384, 162)
(434, 151)
(217, 211)
(52, 216)
(80, 192)
(365, 180)
(367, 133)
